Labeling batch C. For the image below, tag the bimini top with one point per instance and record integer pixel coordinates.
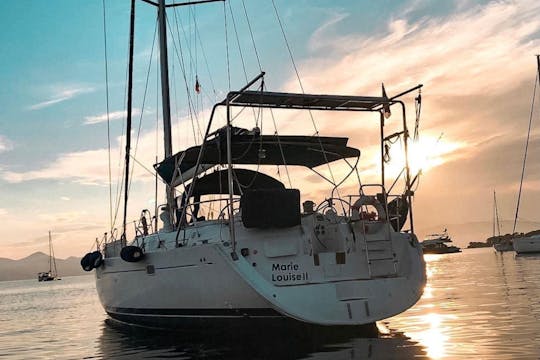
(255, 149)
(305, 101)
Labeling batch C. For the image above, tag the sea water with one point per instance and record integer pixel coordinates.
(477, 304)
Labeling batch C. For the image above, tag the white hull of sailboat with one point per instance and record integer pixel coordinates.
(527, 244)
(503, 246)
(277, 276)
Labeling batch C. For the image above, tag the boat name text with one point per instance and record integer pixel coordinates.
(287, 272)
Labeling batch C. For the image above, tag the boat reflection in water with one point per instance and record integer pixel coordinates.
(295, 342)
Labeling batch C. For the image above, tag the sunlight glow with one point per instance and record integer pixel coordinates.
(426, 153)
(433, 338)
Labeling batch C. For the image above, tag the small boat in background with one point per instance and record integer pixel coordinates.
(530, 243)
(504, 245)
(52, 274)
(437, 244)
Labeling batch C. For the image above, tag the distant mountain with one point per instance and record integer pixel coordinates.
(478, 231)
(28, 267)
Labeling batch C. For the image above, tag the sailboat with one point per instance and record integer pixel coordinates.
(52, 274)
(529, 243)
(346, 260)
(500, 244)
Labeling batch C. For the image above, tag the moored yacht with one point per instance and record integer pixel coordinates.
(527, 244)
(437, 244)
(235, 243)
(52, 274)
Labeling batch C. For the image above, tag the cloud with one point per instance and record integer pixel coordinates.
(90, 167)
(80, 166)
(115, 115)
(478, 70)
(5, 144)
(62, 95)
(65, 198)
(477, 51)
(473, 64)
(3, 212)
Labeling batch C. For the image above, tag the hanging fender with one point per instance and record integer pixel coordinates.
(91, 261)
(131, 253)
(367, 200)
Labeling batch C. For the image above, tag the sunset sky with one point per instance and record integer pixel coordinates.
(475, 59)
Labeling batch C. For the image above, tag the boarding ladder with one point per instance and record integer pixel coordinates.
(379, 250)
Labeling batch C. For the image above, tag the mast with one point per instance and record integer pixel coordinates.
(536, 82)
(494, 212)
(496, 223)
(50, 253)
(165, 98)
(52, 258)
(128, 117)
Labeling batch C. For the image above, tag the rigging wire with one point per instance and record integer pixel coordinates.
(227, 46)
(303, 91)
(241, 57)
(108, 111)
(536, 81)
(252, 38)
(156, 149)
(184, 75)
(238, 42)
(182, 67)
(206, 62)
(142, 110)
(120, 173)
(193, 113)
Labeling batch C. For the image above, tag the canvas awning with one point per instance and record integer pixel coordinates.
(217, 182)
(255, 149)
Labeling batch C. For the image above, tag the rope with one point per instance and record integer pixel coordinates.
(108, 111)
(536, 80)
(418, 109)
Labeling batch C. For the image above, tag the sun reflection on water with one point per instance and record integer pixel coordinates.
(433, 338)
(432, 328)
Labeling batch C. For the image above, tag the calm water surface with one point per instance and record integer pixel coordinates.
(476, 304)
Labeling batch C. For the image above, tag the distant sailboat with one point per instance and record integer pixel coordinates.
(530, 243)
(52, 274)
(500, 244)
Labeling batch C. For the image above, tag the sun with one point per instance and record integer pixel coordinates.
(425, 154)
